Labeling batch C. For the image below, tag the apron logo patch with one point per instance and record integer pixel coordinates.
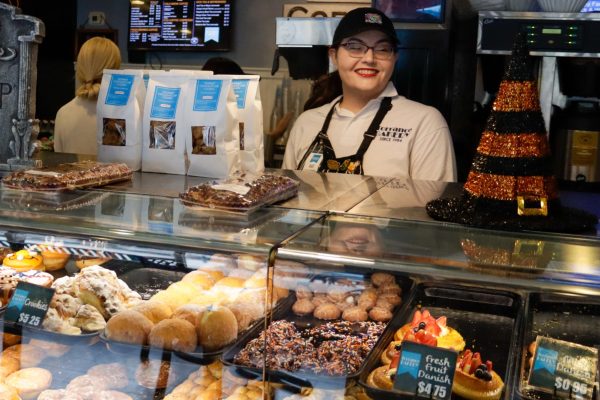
(393, 133)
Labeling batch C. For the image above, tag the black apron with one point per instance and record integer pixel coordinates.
(345, 165)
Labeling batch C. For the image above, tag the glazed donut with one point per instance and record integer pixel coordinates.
(380, 314)
(381, 278)
(327, 311)
(129, 326)
(174, 334)
(24, 260)
(303, 307)
(154, 310)
(355, 313)
(53, 260)
(84, 262)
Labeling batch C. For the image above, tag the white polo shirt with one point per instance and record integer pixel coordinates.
(413, 140)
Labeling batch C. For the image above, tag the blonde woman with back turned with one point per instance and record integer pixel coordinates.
(75, 126)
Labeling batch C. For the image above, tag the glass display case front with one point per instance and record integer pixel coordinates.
(140, 293)
(151, 299)
(389, 309)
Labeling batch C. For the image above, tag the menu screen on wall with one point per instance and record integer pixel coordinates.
(203, 25)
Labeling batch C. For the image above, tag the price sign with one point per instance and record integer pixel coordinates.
(28, 304)
(566, 370)
(425, 371)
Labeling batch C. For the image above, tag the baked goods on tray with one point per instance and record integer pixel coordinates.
(24, 260)
(426, 329)
(215, 382)
(203, 312)
(243, 193)
(349, 299)
(75, 175)
(9, 278)
(333, 348)
(423, 329)
(475, 379)
(101, 382)
(84, 302)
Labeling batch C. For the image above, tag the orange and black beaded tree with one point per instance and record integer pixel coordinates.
(511, 185)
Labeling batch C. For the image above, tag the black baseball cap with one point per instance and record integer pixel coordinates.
(361, 20)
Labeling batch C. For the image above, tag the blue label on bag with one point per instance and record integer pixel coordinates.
(240, 89)
(164, 102)
(119, 90)
(207, 94)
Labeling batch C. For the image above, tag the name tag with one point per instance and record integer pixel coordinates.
(313, 162)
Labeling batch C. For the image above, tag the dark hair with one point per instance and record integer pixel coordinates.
(222, 66)
(324, 90)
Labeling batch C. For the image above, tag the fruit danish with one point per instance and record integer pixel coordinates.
(423, 329)
(475, 379)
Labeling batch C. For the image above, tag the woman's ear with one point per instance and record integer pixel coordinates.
(333, 55)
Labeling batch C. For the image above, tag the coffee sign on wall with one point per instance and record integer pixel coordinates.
(321, 9)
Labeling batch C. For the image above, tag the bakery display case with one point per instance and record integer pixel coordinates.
(147, 292)
(154, 299)
(487, 297)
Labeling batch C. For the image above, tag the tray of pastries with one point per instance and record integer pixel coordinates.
(326, 335)
(68, 176)
(479, 324)
(216, 381)
(200, 315)
(58, 371)
(244, 193)
(569, 318)
(81, 305)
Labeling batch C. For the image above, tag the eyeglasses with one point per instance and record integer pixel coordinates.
(381, 51)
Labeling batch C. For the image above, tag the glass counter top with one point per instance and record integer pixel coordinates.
(404, 198)
(317, 192)
(147, 219)
(450, 251)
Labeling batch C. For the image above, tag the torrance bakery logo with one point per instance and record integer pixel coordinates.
(393, 133)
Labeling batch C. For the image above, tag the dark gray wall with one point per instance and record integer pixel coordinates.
(253, 24)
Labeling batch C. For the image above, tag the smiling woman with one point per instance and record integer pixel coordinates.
(360, 124)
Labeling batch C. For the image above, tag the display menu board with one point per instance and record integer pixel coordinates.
(180, 25)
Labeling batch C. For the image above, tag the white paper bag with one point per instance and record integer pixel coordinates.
(163, 147)
(119, 117)
(250, 116)
(211, 127)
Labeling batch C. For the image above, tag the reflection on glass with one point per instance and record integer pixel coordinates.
(160, 210)
(355, 239)
(113, 206)
(516, 255)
